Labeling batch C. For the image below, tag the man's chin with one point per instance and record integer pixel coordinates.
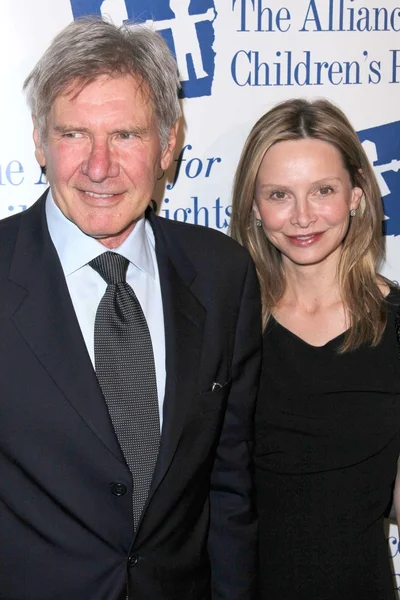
(110, 239)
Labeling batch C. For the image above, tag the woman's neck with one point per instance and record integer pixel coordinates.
(311, 287)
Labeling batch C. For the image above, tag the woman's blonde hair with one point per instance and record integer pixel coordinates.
(363, 246)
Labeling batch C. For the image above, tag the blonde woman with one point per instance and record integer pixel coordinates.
(307, 206)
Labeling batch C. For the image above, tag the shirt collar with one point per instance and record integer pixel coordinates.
(76, 249)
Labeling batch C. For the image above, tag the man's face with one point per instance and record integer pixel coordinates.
(102, 155)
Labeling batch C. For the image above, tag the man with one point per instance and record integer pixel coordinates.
(129, 350)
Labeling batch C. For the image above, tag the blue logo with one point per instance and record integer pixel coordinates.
(382, 145)
(186, 25)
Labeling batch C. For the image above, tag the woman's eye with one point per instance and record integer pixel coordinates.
(278, 194)
(325, 190)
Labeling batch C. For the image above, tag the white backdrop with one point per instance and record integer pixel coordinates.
(237, 58)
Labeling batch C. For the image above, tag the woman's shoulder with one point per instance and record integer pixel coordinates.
(391, 292)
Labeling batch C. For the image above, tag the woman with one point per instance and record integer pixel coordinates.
(307, 206)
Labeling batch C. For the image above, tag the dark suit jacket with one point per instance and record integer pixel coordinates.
(64, 534)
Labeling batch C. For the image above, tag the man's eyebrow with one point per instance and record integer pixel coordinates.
(65, 128)
(136, 129)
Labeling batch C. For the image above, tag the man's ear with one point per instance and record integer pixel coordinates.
(168, 152)
(39, 152)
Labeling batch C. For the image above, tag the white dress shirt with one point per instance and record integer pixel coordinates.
(86, 287)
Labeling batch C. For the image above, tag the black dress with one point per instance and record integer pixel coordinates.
(327, 443)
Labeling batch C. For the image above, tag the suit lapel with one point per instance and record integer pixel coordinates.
(184, 318)
(47, 322)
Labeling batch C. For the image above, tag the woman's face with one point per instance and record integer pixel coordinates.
(303, 196)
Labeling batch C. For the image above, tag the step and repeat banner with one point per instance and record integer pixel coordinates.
(237, 58)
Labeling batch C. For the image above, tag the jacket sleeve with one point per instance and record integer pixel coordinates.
(233, 530)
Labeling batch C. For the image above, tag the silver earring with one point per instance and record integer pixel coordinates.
(353, 212)
(258, 222)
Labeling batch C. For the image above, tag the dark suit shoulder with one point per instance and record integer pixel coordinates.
(204, 241)
(9, 228)
(10, 224)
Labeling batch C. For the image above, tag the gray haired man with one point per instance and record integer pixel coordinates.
(125, 442)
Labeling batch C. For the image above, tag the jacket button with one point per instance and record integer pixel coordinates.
(118, 489)
(133, 561)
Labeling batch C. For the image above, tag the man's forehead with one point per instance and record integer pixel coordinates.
(75, 86)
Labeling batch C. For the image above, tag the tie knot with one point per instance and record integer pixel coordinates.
(111, 266)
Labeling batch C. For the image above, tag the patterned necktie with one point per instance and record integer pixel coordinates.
(125, 369)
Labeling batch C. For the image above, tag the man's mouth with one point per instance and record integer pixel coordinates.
(94, 195)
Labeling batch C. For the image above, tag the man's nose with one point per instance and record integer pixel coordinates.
(100, 164)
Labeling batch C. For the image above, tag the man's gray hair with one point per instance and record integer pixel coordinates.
(90, 47)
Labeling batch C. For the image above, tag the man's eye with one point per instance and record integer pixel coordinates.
(72, 134)
(126, 135)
